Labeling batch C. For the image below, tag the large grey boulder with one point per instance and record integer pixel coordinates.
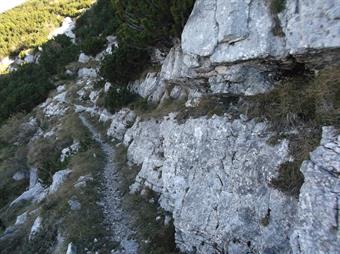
(201, 30)
(58, 180)
(121, 121)
(36, 227)
(311, 25)
(213, 175)
(71, 249)
(36, 194)
(229, 31)
(318, 212)
(87, 73)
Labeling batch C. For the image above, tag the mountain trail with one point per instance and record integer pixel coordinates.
(115, 215)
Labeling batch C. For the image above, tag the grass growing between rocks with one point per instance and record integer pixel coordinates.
(62, 225)
(13, 150)
(154, 237)
(208, 105)
(297, 109)
(83, 227)
(277, 6)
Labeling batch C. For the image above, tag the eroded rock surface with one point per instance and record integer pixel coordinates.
(229, 31)
(317, 229)
(213, 175)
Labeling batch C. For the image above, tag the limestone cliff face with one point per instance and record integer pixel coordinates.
(213, 174)
(229, 31)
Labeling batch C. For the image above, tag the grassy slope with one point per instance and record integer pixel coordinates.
(28, 25)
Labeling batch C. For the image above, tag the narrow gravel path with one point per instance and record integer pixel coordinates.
(115, 216)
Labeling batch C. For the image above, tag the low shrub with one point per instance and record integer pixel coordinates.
(118, 97)
(93, 45)
(45, 156)
(28, 25)
(124, 64)
(22, 90)
(277, 6)
(140, 26)
(99, 20)
(57, 53)
(301, 102)
(180, 11)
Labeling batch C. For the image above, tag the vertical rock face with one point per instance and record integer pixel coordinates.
(229, 31)
(201, 31)
(213, 175)
(311, 25)
(317, 229)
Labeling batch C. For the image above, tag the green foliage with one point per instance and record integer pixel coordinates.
(44, 241)
(22, 90)
(303, 102)
(277, 6)
(96, 21)
(57, 53)
(180, 10)
(12, 160)
(118, 97)
(141, 25)
(93, 45)
(28, 25)
(124, 64)
(45, 156)
(150, 23)
(301, 99)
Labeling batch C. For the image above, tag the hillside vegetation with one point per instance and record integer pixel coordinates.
(140, 26)
(28, 25)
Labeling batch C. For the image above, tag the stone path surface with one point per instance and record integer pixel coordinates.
(115, 215)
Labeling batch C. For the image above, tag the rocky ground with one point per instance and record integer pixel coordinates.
(206, 162)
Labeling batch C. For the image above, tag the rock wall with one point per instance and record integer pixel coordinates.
(232, 31)
(213, 174)
(317, 228)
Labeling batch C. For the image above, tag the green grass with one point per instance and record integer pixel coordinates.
(303, 102)
(24, 89)
(161, 238)
(28, 25)
(277, 6)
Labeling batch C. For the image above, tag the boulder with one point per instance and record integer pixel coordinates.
(36, 227)
(83, 58)
(71, 249)
(87, 73)
(318, 209)
(213, 175)
(58, 180)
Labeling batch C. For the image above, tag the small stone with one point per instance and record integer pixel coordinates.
(21, 219)
(74, 204)
(18, 176)
(167, 220)
(58, 179)
(83, 58)
(36, 227)
(71, 249)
